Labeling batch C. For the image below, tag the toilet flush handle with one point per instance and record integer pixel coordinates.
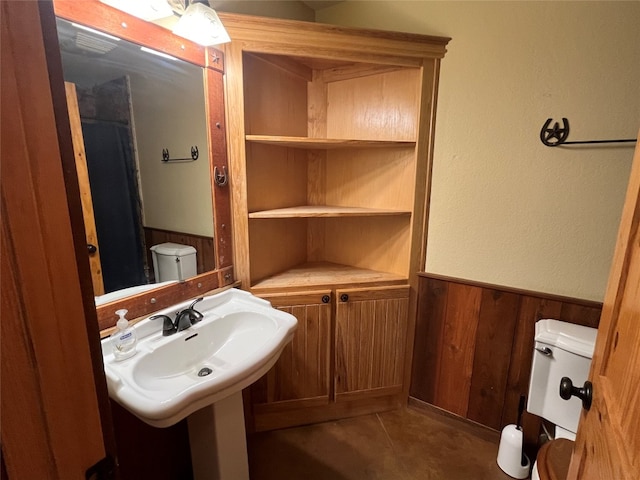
(545, 351)
(567, 390)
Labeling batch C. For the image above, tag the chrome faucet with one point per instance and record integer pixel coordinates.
(184, 319)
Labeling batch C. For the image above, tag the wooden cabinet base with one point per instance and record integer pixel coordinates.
(345, 359)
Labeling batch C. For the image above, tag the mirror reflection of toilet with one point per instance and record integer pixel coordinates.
(561, 350)
(173, 261)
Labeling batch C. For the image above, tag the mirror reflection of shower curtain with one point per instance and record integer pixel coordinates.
(116, 203)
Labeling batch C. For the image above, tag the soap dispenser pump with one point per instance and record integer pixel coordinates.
(124, 338)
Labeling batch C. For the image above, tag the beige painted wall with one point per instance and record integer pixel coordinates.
(505, 209)
(169, 112)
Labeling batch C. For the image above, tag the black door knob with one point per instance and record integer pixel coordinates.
(91, 248)
(326, 299)
(344, 297)
(567, 390)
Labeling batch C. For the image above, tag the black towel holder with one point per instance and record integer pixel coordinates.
(556, 135)
(194, 156)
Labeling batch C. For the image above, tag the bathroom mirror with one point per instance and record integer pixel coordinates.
(148, 104)
(133, 106)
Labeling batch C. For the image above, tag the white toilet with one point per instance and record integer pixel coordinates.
(561, 350)
(174, 261)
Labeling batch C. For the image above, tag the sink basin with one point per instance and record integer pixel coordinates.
(238, 340)
(209, 351)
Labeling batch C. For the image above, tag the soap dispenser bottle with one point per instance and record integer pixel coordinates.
(124, 338)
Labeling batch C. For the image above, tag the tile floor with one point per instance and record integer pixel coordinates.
(404, 444)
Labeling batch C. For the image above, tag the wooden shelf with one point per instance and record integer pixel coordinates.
(325, 143)
(325, 275)
(326, 211)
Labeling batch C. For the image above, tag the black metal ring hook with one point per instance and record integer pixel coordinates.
(560, 134)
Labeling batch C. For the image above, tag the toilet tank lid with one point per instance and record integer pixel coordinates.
(176, 249)
(572, 338)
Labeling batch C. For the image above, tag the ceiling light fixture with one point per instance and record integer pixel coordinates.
(201, 25)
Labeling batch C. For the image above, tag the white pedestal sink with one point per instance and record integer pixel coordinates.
(200, 372)
(218, 442)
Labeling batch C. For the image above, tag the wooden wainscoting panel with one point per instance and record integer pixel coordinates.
(458, 347)
(149, 452)
(432, 303)
(474, 346)
(496, 324)
(580, 314)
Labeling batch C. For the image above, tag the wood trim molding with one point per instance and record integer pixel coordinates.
(219, 164)
(157, 299)
(356, 42)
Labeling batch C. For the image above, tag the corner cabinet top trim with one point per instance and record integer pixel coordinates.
(262, 31)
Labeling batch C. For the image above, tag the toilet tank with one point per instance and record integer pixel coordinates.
(174, 261)
(561, 350)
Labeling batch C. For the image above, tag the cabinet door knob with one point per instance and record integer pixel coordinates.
(326, 299)
(91, 248)
(344, 297)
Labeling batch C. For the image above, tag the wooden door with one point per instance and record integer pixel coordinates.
(54, 420)
(301, 377)
(371, 328)
(608, 441)
(93, 249)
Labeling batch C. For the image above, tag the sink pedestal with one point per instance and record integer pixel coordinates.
(218, 441)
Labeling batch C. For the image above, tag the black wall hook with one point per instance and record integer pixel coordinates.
(556, 135)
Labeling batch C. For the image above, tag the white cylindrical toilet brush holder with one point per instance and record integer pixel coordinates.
(510, 455)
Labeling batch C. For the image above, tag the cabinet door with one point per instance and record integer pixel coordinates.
(371, 328)
(300, 377)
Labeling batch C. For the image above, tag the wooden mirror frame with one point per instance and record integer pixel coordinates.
(95, 14)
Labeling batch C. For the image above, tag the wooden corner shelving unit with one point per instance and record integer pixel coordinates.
(330, 147)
